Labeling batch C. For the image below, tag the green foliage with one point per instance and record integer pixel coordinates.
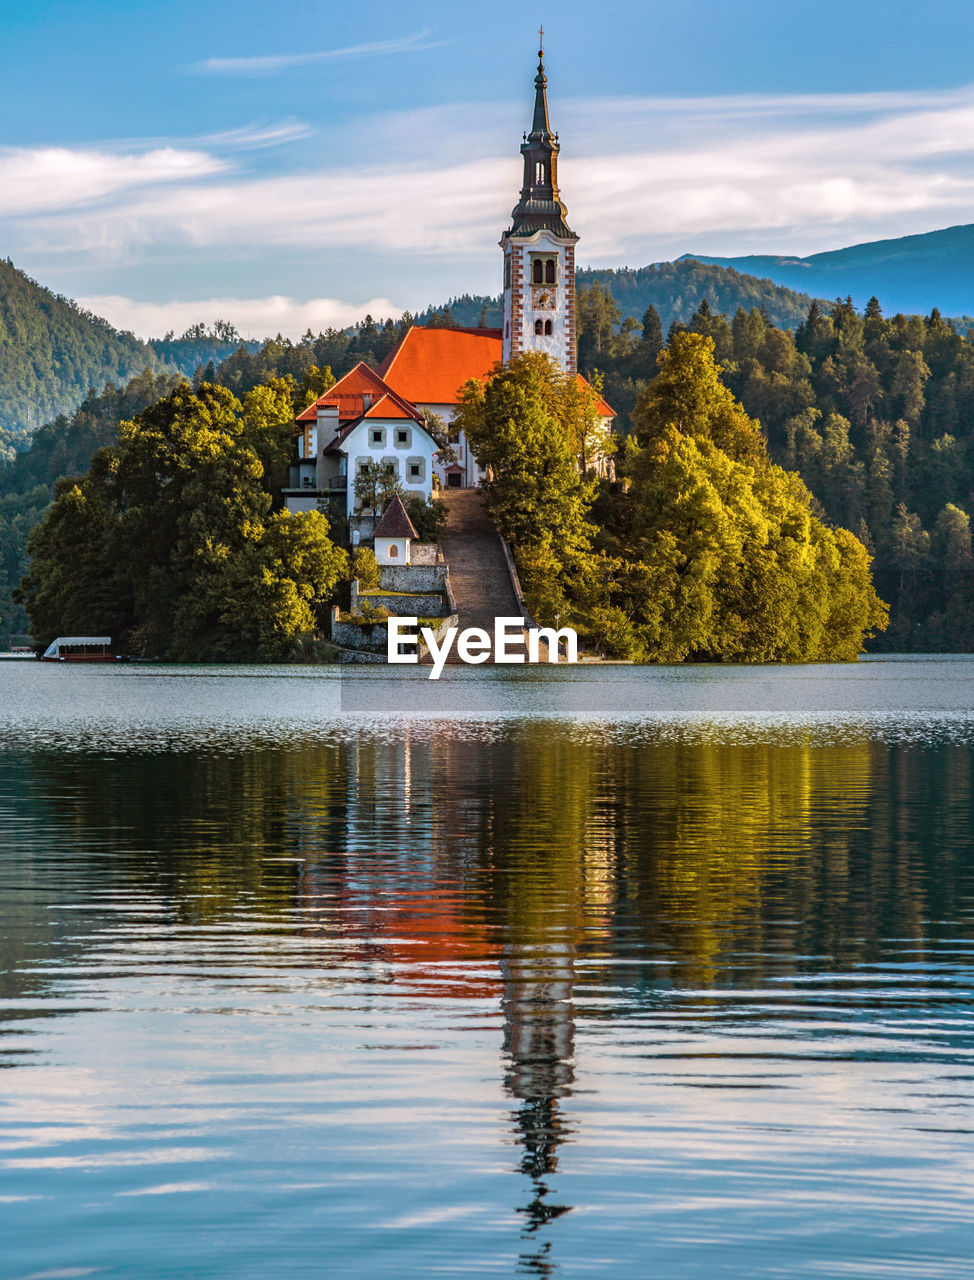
(365, 567)
(314, 384)
(52, 352)
(63, 447)
(376, 484)
(875, 414)
(712, 552)
(524, 427)
(428, 516)
(170, 544)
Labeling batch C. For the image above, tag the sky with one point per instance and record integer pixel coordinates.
(296, 164)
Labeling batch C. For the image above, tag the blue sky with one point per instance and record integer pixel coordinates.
(296, 163)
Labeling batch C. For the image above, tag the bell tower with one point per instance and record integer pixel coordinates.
(539, 249)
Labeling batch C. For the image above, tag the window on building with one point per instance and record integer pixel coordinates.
(538, 326)
(539, 174)
(538, 271)
(377, 436)
(403, 435)
(507, 272)
(415, 471)
(507, 328)
(547, 326)
(549, 271)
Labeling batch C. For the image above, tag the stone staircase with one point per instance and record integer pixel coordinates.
(479, 576)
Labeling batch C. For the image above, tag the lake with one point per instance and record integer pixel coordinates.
(558, 972)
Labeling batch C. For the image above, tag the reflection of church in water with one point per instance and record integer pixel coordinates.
(425, 855)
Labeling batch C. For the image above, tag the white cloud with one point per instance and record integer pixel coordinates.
(644, 179)
(43, 178)
(253, 317)
(270, 64)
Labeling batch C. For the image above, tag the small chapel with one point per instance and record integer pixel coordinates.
(377, 416)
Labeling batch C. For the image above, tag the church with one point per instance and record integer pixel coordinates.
(377, 416)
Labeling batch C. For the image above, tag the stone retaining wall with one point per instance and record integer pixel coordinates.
(427, 604)
(412, 577)
(370, 643)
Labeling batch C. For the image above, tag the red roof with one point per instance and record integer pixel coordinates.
(429, 366)
(349, 393)
(395, 522)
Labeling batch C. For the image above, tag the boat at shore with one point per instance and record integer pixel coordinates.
(81, 649)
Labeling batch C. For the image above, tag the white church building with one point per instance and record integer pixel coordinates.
(377, 415)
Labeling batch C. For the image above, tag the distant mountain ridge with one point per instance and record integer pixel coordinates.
(911, 274)
(675, 289)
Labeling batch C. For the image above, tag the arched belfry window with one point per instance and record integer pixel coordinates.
(549, 271)
(538, 327)
(547, 327)
(539, 174)
(538, 271)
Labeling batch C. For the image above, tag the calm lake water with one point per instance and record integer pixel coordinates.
(570, 972)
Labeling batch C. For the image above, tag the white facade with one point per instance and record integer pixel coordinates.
(470, 472)
(392, 550)
(539, 297)
(403, 442)
(323, 469)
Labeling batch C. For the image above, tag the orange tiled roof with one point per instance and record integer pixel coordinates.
(429, 366)
(348, 395)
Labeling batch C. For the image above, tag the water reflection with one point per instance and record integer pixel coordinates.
(590, 910)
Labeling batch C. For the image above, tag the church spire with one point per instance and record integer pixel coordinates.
(539, 249)
(540, 126)
(540, 207)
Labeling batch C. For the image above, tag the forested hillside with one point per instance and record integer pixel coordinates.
(875, 413)
(52, 353)
(877, 416)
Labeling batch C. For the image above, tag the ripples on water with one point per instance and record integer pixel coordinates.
(622, 972)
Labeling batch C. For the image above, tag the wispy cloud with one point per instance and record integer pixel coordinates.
(270, 64)
(35, 179)
(253, 137)
(644, 179)
(256, 317)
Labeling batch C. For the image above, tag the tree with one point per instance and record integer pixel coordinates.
(169, 542)
(376, 483)
(733, 562)
(314, 384)
(524, 426)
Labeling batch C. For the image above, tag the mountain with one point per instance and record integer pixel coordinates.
(52, 352)
(675, 289)
(912, 274)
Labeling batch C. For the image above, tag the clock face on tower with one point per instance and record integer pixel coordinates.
(544, 299)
